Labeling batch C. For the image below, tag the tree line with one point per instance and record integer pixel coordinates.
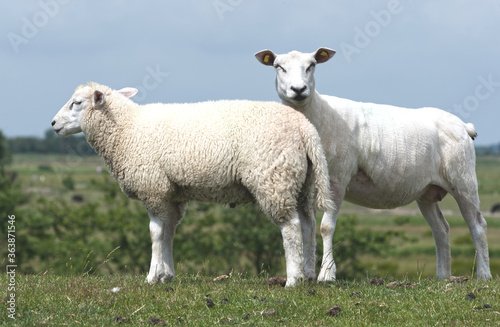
(51, 143)
(77, 144)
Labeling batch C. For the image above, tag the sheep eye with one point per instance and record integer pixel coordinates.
(311, 67)
(73, 103)
(278, 67)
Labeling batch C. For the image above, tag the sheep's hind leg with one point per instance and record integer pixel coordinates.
(441, 233)
(162, 229)
(292, 243)
(308, 228)
(328, 222)
(469, 207)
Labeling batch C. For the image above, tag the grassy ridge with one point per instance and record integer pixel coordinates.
(90, 301)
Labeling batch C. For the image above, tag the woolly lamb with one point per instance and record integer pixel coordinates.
(225, 151)
(381, 156)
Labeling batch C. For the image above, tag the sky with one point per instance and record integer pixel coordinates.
(443, 54)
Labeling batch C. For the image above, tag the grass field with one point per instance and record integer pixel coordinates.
(48, 300)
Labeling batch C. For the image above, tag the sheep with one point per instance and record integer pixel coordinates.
(224, 151)
(382, 156)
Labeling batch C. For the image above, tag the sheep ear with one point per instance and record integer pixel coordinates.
(98, 99)
(128, 92)
(266, 57)
(323, 55)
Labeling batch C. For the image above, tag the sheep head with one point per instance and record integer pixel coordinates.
(295, 72)
(89, 97)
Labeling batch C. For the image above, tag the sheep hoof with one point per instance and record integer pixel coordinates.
(151, 280)
(326, 276)
(158, 279)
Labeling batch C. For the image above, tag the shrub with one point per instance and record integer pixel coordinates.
(350, 243)
(68, 182)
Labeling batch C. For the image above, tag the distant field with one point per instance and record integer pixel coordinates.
(44, 175)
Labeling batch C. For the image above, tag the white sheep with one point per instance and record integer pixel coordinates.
(381, 156)
(225, 151)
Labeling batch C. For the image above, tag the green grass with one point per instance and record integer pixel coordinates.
(88, 301)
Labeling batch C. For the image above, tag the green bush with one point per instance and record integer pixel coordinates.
(45, 168)
(465, 239)
(68, 182)
(401, 220)
(350, 243)
(11, 195)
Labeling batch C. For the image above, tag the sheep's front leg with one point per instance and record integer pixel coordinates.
(162, 231)
(328, 222)
(156, 231)
(292, 243)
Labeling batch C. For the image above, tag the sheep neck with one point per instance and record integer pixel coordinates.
(105, 131)
(312, 108)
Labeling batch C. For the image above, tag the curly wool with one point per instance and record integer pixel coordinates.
(222, 151)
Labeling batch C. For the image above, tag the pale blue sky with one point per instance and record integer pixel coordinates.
(443, 54)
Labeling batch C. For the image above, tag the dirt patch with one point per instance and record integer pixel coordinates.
(470, 296)
(157, 321)
(334, 311)
(275, 281)
(485, 306)
(311, 292)
(221, 278)
(120, 319)
(458, 279)
(399, 284)
(377, 281)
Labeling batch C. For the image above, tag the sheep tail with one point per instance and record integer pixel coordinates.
(317, 157)
(471, 130)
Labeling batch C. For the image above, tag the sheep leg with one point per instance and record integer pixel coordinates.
(156, 231)
(441, 233)
(469, 207)
(162, 232)
(328, 222)
(292, 243)
(308, 229)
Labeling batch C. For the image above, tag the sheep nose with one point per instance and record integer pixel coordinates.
(53, 122)
(297, 90)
